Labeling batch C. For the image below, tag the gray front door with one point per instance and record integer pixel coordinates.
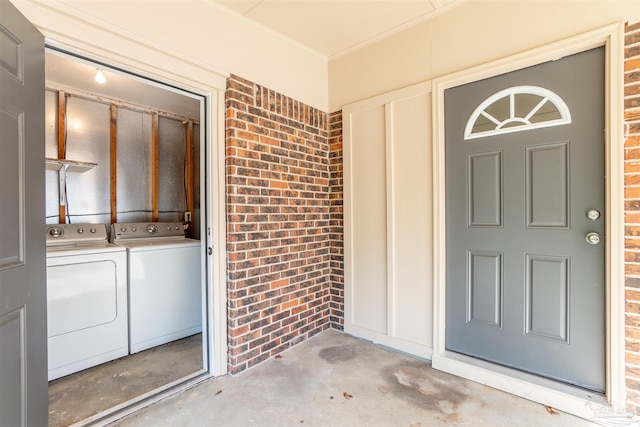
(524, 189)
(23, 315)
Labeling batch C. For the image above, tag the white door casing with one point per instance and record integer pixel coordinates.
(562, 397)
(198, 78)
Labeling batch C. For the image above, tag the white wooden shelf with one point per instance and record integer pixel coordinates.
(68, 165)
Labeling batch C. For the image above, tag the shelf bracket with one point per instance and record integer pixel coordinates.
(62, 183)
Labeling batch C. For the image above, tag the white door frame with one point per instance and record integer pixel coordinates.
(213, 229)
(85, 35)
(566, 398)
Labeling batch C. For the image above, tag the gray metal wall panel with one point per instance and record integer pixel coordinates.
(52, 197)
(171, 166)
(51, 151)
(133, 166)
(88, 140)
(195, 224)
(51, 129)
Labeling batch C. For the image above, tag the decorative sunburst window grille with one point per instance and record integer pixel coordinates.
(517, 109)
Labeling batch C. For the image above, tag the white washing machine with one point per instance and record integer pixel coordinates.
(165, 285)
(86, 298)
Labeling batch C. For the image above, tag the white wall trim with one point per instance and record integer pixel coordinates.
(390, 336)
(107, 42)
(553, 394)
(218, 221)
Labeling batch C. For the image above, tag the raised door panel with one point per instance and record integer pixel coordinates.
(484, 288)
(484, 189)
(12, 367)
(547, 185)
(12, 178)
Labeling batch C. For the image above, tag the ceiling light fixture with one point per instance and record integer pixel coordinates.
(100, 77)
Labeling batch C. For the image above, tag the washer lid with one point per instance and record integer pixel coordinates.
(139, 245)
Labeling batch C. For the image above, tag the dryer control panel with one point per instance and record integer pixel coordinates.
(72, 234)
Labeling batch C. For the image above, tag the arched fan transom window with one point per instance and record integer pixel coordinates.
(517, 109)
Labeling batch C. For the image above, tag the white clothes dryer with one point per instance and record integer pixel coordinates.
(86, 298)
(165, 285)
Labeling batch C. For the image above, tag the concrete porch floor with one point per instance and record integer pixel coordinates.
(334, 379)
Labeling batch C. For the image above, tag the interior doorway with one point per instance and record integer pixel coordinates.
(143, 144)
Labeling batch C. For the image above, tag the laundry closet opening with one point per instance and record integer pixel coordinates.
(125, 213)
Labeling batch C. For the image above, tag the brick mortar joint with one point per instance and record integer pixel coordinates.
(236, 90)
(628, 375)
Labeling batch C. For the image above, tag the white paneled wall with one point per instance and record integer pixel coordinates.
(388, 219)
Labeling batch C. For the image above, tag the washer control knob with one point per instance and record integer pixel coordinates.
(55, 232)
(92, 230)
(152, 228)
(80, 230)
(123, 229)
(134, 229)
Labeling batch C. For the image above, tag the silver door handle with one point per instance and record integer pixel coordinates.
(593, 214)
(593, 238)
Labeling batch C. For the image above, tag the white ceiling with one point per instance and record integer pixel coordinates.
(329, 27)
(66, 72)
(335, 27)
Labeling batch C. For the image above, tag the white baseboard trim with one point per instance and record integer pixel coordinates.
(562, 397)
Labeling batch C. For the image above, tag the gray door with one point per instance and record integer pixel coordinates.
(525, 288)
(23, 316)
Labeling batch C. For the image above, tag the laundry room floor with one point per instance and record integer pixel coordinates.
(334, 379)
(81, 395)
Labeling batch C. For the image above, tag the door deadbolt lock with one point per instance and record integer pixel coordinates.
(593, 238)
(593, 214)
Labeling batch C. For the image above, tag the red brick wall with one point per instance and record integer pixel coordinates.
(336, 314)
(632, 214)
(278, 222)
